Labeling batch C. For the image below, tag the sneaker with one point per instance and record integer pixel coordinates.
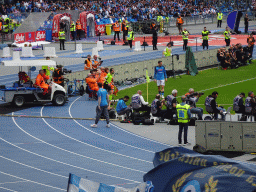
(180, 144)
(94, 125)
(107, 125)
(162, 97)
(186, 144)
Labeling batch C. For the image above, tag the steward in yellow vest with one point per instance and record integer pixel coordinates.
(205, 37)
(62, 39)
(219, 18)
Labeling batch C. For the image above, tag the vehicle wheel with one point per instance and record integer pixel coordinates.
(59, 100)
(69, 89)
(18, 101)
(81, 90)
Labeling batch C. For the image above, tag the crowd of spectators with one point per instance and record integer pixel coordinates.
(234, 56)
(145, 9)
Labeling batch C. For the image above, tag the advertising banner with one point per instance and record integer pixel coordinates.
(19, 38)
(30, 36)
(40, 35)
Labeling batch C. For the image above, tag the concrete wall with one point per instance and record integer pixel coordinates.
(138, 69)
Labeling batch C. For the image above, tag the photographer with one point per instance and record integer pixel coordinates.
(250, 105)
(238, 103)
(139, 104)
(211, 106)
(191, 99)
(171, 103)
(156, 108)
(96, 62)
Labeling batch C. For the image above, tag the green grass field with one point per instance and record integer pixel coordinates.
(227, 83)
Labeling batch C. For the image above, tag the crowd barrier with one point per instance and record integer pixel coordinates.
(138, 69)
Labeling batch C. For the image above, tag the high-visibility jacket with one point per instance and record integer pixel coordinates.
(166, 19)
(219, 16)
(48, 73)
(185, 35)
(168, 52)
(11, 26)
(227, 34)
(116, 27)
(62, 35)
(182, 113)
(57, 76)
(17, 25)
(92, 83)
(88, 64)
(205, 35)
(159, 18)
(5, 28)
(124, 26)
(0, 26)
(108, 78)
(130, 36)
(95, 64)
(40, 81)
(73, 27)
(152, 25)
(78, 26)
(102, 77)
(180, 21)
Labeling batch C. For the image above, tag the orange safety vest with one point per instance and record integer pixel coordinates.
(78, 26)
(250, 41)
(92, 83)
(95, 65)
(87, 66)
(58, 79)
(180, 20)
(40, 81)
(116, 27)
(152, 25)
(0, 26)
(124, 24)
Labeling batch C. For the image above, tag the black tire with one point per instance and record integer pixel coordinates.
(81, 90)
(59, 100)
(18, 101)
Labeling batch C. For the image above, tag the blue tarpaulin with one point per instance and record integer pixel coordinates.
(179, 169)
(231, 20)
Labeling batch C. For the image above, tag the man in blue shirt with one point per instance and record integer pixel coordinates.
(103, 106)
(160, 78)
(122, 108)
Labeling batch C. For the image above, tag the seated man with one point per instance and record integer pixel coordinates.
(96, 62)
(250, 105)
(238, 103)
(92, 84)
(57, 76)
(40, 81)
(156, 108)
(171, 103)
(103, 74)
(138, 104)
(122, 108)
(211, 106)
(192, 98)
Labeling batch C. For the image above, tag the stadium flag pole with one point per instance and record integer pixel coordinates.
(148, 81)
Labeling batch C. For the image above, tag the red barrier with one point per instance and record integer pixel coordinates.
(30, 36)
(100, 29)
(19, 38)
(40, 36)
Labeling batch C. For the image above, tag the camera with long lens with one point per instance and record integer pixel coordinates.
(196, 94)
(65, 71)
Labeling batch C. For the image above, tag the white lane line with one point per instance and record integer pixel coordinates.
(27, 143)
(103, 135)
(89, 144)
(33, 181)
(13, 182)
(71, 151)
(7, 189)
(139, 135)
(67, 163)
(33, 167)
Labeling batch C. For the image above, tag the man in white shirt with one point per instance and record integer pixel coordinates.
(139, 104)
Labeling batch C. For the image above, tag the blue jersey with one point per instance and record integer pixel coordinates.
(103, 94)
(160, 73)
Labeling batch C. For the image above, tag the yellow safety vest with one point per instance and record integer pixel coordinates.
(5, 28)
(62, 33)
(159, 18)
(220, 15)
(205, 33)
(168, 52)
(227, 34)
(184, 37)
(130, 36)
(182, 113)
(73, 27)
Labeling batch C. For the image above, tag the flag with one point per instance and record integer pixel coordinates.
(78, 184)
(147, 77)
(181, 169)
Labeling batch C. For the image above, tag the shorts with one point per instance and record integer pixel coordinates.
(160, 82)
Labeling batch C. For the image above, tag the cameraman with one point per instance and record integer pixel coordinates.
(238, 103)
(156, 107)
(192, 98)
